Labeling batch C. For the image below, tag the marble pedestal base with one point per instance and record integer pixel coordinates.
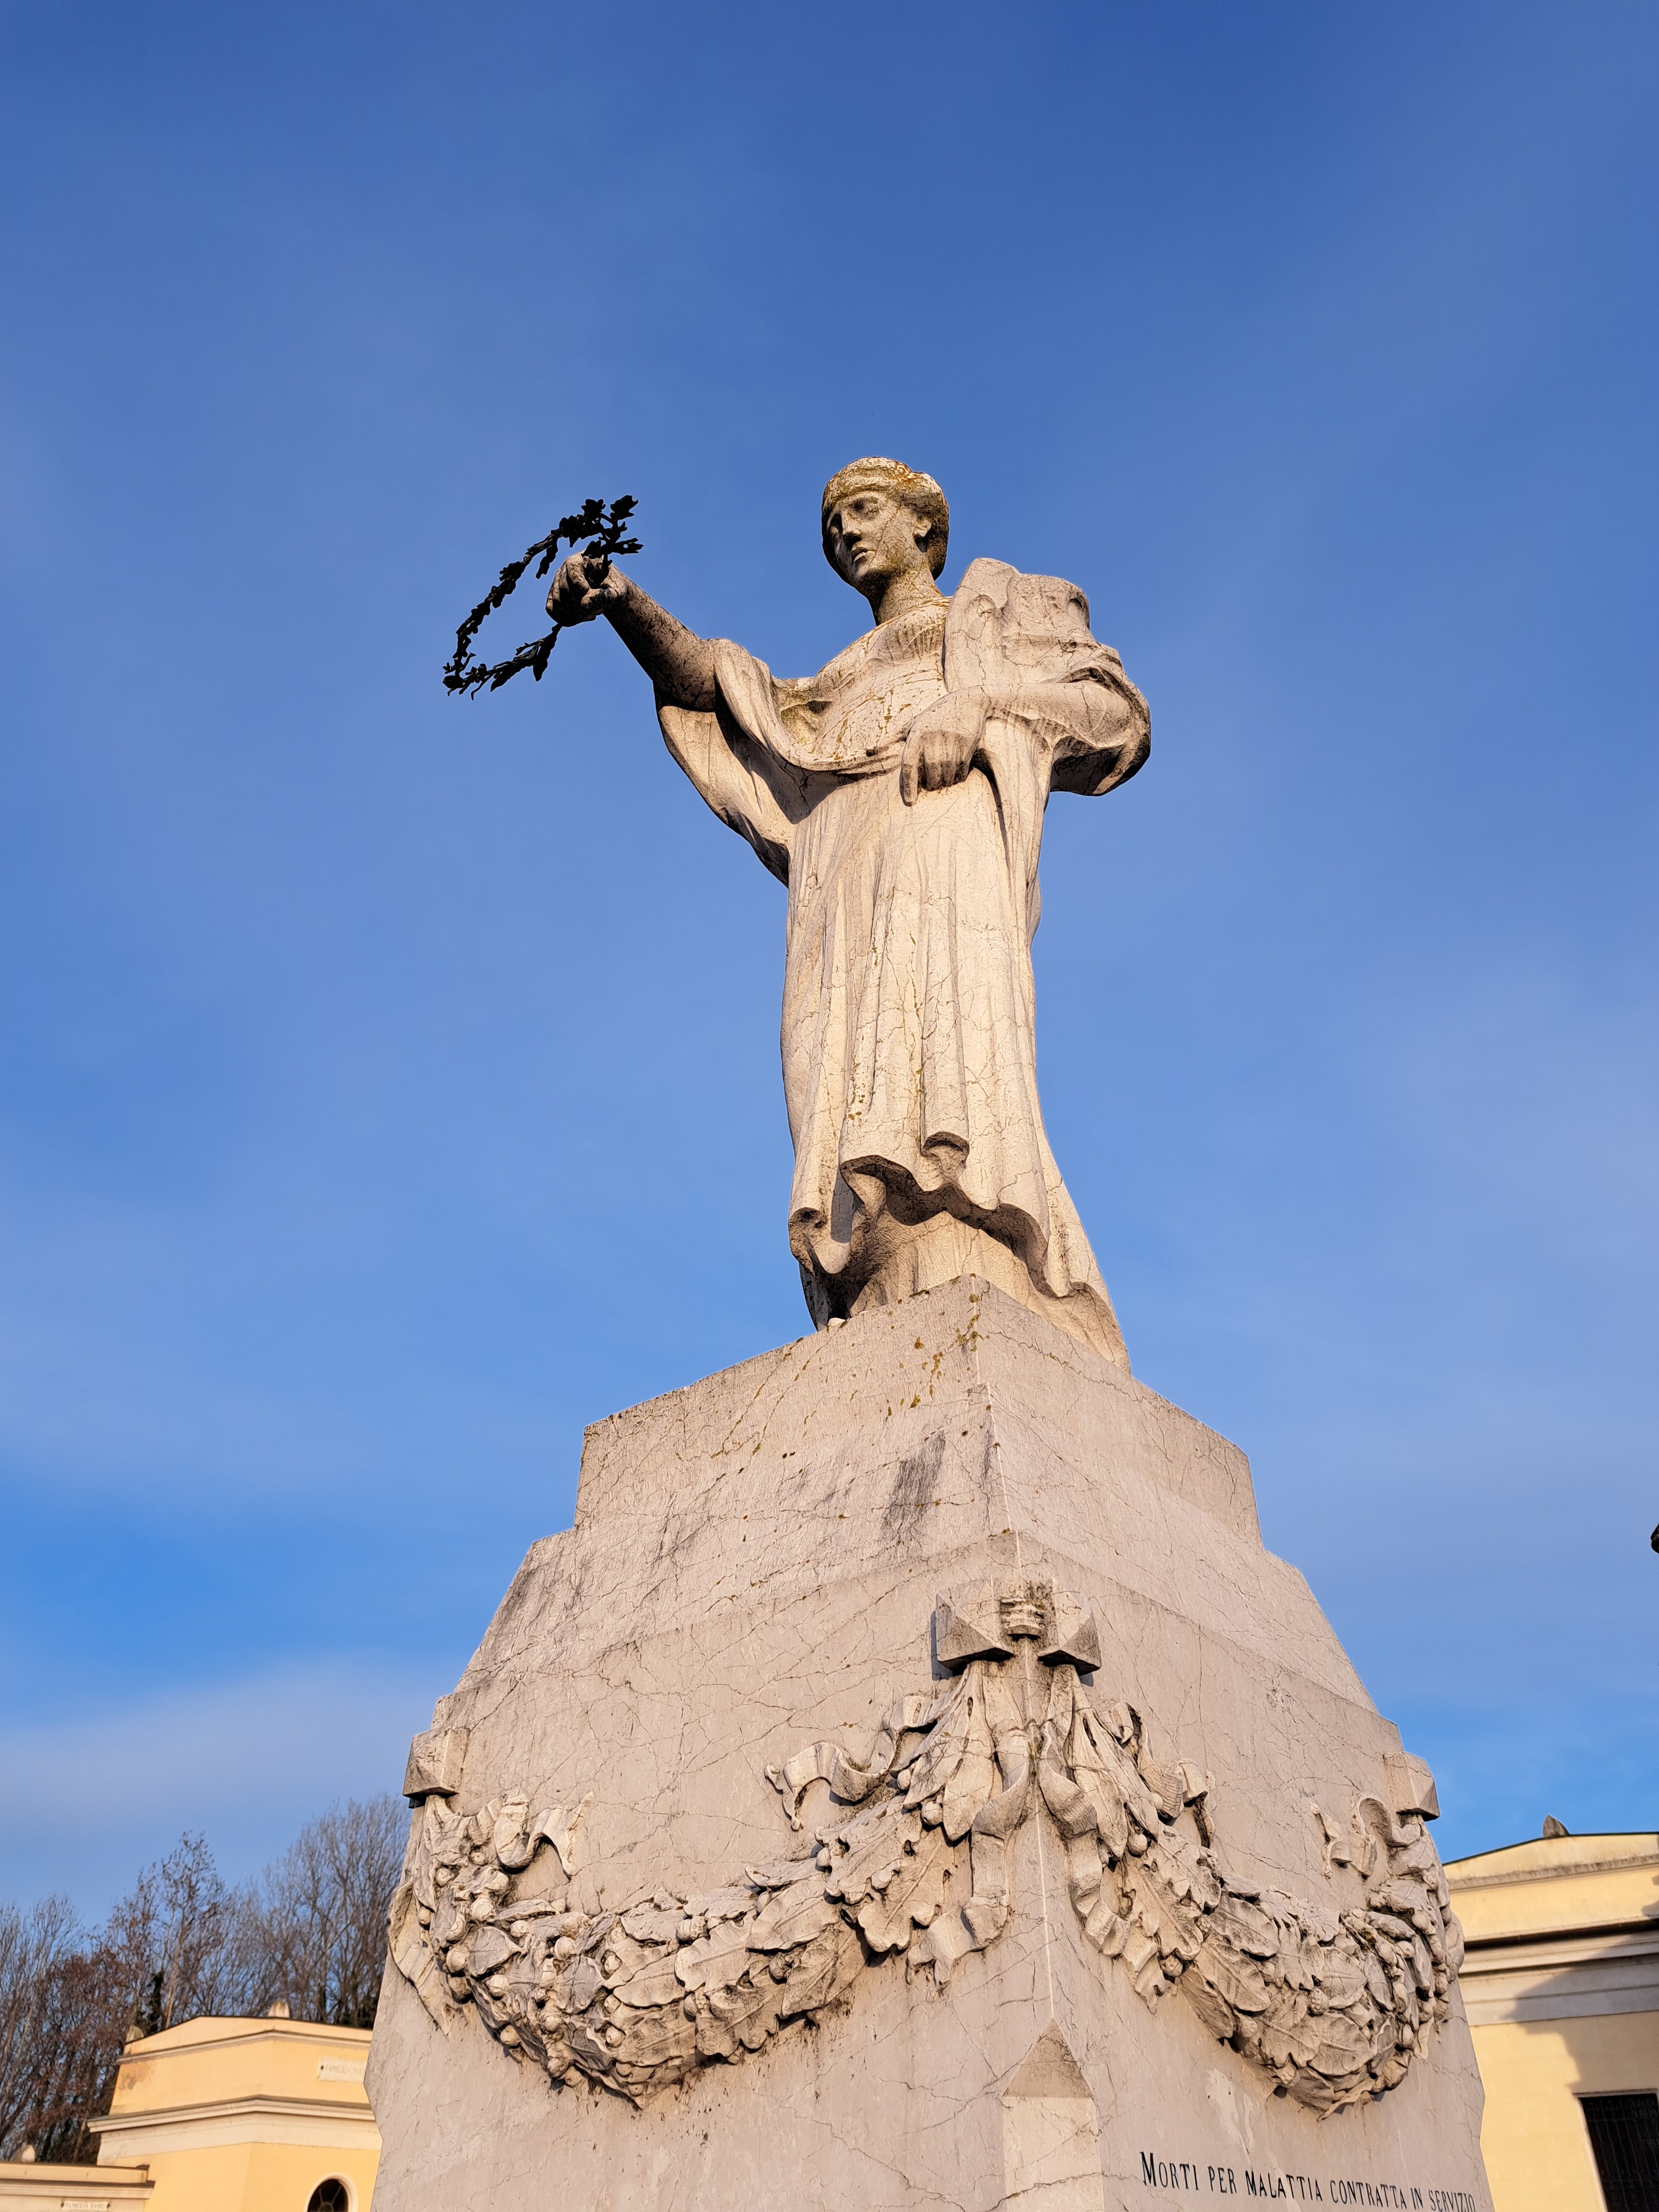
(754, 1567)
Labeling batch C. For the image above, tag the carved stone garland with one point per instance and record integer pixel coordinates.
(1334, 2005)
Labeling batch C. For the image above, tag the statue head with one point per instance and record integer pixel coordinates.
(880, 521)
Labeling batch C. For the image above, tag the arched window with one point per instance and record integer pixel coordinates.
(330, 2195)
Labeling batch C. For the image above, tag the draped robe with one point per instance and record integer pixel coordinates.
(909, 1047)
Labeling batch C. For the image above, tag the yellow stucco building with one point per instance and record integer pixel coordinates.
(241, 2116)
(1561, 1983)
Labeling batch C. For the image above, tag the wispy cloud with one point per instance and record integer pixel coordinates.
(88, 1801)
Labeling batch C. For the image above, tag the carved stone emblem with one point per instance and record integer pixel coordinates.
(1331, 2001)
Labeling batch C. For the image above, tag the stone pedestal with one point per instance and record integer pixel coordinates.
(1123, 1892)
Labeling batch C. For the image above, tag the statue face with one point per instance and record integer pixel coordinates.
(873, 537)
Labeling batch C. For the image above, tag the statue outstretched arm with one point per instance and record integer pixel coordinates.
(680, 665)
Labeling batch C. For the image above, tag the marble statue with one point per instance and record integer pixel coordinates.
(909, 1782)
(899, 794)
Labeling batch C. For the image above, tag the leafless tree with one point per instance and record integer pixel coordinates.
(169, 1945)
(78, 2040)
(310, 1931)
(69, 1995)
(313, 1925)
(33, 1947)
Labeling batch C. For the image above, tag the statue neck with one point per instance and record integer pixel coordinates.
(904, 594)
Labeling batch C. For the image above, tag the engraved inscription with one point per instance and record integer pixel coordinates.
(1190, 2176)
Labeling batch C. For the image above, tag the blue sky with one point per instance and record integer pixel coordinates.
(390, 1083)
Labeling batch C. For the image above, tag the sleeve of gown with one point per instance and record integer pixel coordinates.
(725, 755)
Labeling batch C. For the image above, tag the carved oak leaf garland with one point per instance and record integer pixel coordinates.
(1332, 2005)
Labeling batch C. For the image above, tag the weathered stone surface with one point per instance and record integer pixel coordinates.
(751, 1584)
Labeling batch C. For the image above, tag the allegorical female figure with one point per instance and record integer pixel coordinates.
(899, 794)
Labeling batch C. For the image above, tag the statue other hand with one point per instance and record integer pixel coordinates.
(573, 598)
(940, 742)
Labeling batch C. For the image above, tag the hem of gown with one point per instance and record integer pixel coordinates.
(876, 1202)
(911, 1257)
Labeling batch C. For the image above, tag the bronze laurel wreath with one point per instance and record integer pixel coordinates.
(602, 530)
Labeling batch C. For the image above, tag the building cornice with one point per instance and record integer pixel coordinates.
(321, 2122)
(152, 2048)
(1596, 1940)
(1586, 1869)
(54, 2188)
